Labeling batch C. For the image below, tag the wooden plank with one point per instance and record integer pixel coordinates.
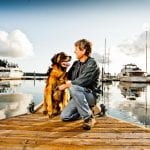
(72, 147)
(73, 129)
(105, 122)
(75, 141)
(59, 124)
(85, 135)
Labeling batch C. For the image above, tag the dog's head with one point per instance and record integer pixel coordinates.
(61, 59)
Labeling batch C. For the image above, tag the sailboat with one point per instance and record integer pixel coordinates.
(106, 77)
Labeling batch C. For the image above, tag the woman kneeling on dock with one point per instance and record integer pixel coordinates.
(83, 85)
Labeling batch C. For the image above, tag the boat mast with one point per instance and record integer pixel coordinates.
(146, 48)
(108, 59)
(105, 56)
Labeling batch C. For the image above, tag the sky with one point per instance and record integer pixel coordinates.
(32, 31)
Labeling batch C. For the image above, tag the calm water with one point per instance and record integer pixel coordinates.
(130, 102)
(16, 95)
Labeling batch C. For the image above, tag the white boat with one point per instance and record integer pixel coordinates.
(148, 78)
(132, 73)
(10, 73)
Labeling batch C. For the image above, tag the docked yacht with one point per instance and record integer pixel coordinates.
(10, 73)
(132, 73)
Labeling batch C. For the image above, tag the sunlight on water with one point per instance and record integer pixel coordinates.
(16, 95)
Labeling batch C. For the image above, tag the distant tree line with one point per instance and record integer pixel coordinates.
(5, 63)
(34, 74)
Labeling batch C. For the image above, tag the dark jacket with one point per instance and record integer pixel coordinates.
(86, 74)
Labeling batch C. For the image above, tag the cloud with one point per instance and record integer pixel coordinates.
(15, 44)
(134, 46)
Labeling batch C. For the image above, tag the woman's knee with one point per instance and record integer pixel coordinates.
(75, 88)
(63, 117)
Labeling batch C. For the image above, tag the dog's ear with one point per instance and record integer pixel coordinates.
(58, 58)
(55, 59)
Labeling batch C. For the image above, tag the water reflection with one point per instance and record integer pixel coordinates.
(128, 101)
(131, 90)
(9, 86)
(12, 102)
(139, 108)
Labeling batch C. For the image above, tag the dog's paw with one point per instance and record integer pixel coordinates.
(45, 112)
(50, 116)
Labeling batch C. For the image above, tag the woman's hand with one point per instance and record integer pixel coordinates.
(64, 86)
(61, 87)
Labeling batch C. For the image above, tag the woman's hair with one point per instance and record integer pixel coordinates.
(84, 44)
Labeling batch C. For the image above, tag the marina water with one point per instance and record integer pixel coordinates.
(126, 101)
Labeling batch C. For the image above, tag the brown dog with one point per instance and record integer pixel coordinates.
(55, 100)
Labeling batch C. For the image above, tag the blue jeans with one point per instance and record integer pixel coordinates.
(79, 104)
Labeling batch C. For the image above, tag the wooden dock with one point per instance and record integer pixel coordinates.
(35, 131)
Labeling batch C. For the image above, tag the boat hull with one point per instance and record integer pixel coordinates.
(136, 79)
